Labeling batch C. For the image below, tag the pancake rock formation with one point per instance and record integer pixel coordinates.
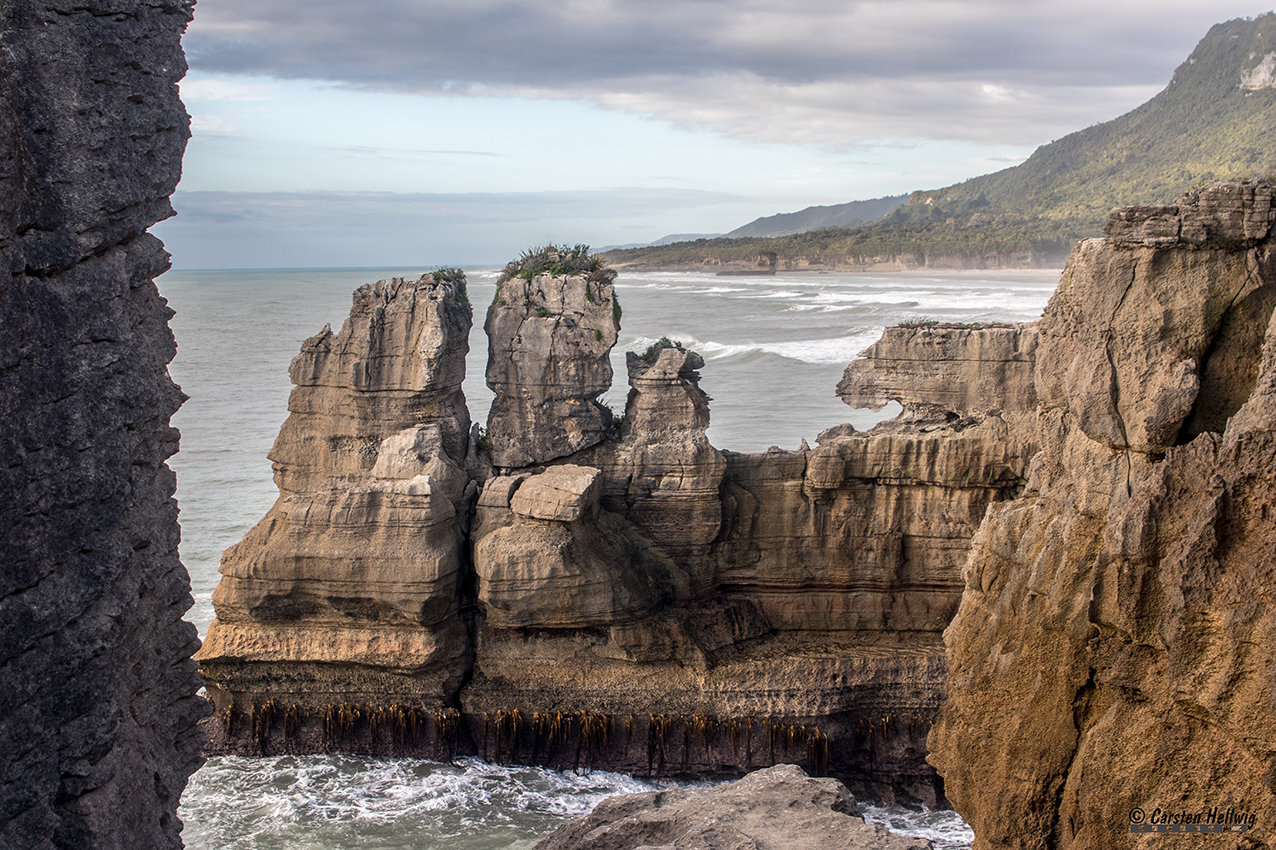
(578, 589)
(1111, 661)
(349, 591)
(98, 714)
(548, 339)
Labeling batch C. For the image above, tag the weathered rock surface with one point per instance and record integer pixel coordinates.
(548, 556)
(1113, 649)
(398, 362)
(353, 581)
(644, 603)
(664, 476)
(956, 369)
(780, 808)
(548, 340)
(98, 713)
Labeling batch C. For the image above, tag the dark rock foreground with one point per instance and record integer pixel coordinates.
(98, 711)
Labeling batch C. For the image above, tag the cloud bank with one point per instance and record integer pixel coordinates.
(830, 72)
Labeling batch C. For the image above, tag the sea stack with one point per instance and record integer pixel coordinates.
(348, 593)
(583, 589)
(549, 329)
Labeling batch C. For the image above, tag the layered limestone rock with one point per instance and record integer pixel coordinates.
(548, 340)
(793, 599)
(397, 363)
(780, 808)
(964, 369)
(1113, 650)
(548, 556)
(98, 712)
(352, 584)
(642, 601)
(663, 476)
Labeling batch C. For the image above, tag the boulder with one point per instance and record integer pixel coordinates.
(779, 808)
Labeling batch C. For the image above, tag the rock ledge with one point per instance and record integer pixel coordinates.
(779, 808)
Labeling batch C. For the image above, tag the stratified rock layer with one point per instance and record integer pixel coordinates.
(643, 602)
(780, 808)
(980, 368)
(548, 340)
(663, 476)
(1114, 647)
(98, 712)
(352, 583)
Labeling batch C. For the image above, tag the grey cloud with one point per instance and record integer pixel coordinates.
(751, 68)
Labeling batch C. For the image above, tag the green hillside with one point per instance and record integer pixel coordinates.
(1205, 125)
(1202, 126)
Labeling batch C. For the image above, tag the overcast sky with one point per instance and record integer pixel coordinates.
(431, 132)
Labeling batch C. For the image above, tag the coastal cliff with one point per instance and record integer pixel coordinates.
(1111, 661)
(1080, 506)
(573, 588)
(98, 716)
(350, 590)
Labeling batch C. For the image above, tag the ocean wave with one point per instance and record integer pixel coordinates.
(838, 350)
(323, 801)
(841, 349)
(944, 828)
(331, 801)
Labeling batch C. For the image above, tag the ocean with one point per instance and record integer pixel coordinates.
(774, 349)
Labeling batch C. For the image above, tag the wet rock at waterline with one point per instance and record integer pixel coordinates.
(780, 808)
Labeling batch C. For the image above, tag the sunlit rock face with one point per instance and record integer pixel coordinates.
(1113, 649)
(352, 583)
(662, 474)
(570, 573)
(548, 341)
(98, 716)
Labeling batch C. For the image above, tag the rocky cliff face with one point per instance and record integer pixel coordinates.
(353, 582)
(634, 598)
(548, 338)
(97, 719)
(1113, 650)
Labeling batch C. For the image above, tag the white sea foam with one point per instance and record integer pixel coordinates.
(840, 350)
(329, 801)
(944, 828)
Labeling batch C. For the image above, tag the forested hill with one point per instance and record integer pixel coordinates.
(1214, 120)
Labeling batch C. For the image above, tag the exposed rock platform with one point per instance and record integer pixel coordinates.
(779, 808)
